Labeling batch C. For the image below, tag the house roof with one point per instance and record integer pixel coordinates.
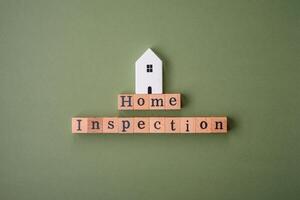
(148, 55)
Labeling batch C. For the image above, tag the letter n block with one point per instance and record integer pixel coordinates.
(95, 125)
(172, 102)
(125, 102)
(219, 124)
(79, 125)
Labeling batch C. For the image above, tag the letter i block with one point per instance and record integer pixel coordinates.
(95, 125)
(172, 102)
(187, 125)
(219, 124)
(172, 124)
(141, 125)
(110, 125)
(79, 125)
(125, 102)
(141, 102)
(125, 125)
(157, 124)
(203, 125)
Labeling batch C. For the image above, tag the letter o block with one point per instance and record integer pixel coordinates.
(203, 125)
(141, 102)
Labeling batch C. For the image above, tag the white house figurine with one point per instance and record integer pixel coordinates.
(148, 74)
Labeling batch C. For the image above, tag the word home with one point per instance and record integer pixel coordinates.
(149, 102)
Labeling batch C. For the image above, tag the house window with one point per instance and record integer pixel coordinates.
(149, 68)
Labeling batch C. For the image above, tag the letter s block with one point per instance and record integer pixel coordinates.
(110, 125)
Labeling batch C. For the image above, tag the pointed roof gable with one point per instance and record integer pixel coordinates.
(147, 56)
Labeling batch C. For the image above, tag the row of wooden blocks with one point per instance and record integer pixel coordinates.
(150, 125)
(149, 101)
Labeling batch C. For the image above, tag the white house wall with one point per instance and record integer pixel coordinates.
(144, 79)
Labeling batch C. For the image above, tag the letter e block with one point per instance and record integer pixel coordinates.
(141, 125)
(172, 101)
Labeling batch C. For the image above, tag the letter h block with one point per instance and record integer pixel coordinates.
(125, 102)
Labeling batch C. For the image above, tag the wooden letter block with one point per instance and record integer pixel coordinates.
(141, 102)
(157, 102)
(110, 125)
(203, 124)
(187, 125)
(172, 101)
(172, 124)
(219, 124)
(79, 125)
(125, 125)
(95, 125)
(141, 125)
(125, 102)
(157, 124)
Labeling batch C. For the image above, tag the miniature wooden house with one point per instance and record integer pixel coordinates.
(148, 74)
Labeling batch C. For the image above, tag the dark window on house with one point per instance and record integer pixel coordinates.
(149, 68)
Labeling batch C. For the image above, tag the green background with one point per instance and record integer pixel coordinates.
(60, 59)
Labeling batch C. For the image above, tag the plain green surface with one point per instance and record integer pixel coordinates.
(60, 59)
